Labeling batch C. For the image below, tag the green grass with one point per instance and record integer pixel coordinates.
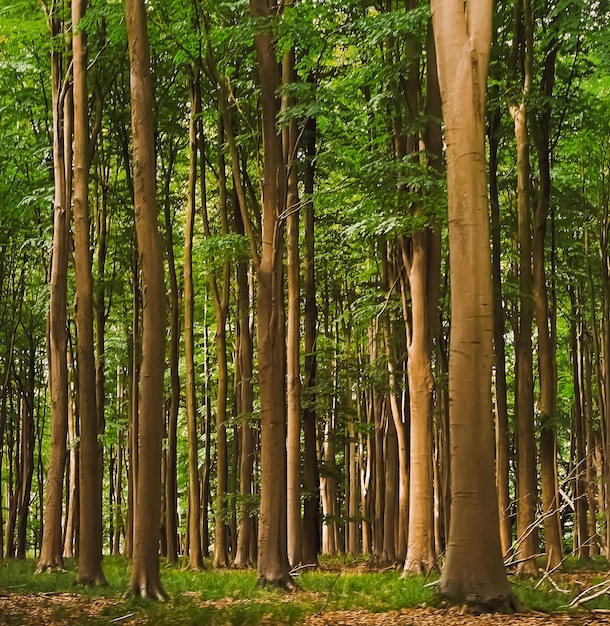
(232, 596)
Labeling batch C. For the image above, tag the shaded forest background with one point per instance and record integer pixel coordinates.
(365, 190)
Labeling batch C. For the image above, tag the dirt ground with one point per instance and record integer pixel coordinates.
(62, 609)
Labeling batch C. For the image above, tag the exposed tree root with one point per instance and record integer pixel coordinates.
(89, 581)
(286, 582)
(47, 568)
(147, 589)
(476, 605)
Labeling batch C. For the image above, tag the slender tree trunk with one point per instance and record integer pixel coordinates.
(420, 548)
(52, 540)
(145, 579)
(90, 479)
(273, 564)
(293, 359)
(581, 544)
(501, 404)
(527, 537)
(171, 454)
(474, 569)
(27, 449)
(546, 348)
(245, 536)
(311, 478)
(194, 495)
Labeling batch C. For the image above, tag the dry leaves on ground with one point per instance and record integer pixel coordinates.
(62, 609)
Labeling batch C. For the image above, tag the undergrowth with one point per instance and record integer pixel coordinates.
(233, 597)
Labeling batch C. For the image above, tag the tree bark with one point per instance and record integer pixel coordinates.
(195, 555)
(90, 479)
(474, 570)
(273, 564)
(546, 349)
(293, 359)
(311, 478)
(145, 578)
(52, 540)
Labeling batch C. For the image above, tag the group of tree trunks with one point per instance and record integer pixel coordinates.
(404, 465)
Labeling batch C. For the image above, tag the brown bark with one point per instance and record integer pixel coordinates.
(421, 274)
(527, 539)
(500, 398)
(145, 579)
(293, 361)
(272, 550)
(52, 541)
(90, 479)
(220, 297)
(195, 554)
(546, 348)
(170, 479)
(581, 544)
(245, 391)
(311, 478)
(474, 570)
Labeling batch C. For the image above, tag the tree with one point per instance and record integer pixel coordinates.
(52, 543)
(145, 579)
(194, 532)
(527, 536)
(90, 480)
(474, 570)
(272, 564)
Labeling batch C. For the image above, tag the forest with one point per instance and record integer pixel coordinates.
(284, 281)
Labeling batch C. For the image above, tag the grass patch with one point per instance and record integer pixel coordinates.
(219, 597)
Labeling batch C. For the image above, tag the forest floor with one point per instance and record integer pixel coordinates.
(336, 594)
(65, 609)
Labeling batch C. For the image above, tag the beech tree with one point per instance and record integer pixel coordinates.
(474, 570)
(145, 579)
(51, 554)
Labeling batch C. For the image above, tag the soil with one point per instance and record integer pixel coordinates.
(63, 609)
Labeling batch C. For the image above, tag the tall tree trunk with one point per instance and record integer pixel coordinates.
(273, 564)
(581, 544)
(546, 348)
(171, 454)
(293, 359)
(52, 540)
(420, 273)
(311, 478)
(90, 479)
(27, 383)
(500, 397)
(474, 569)
(145, 579)
(527, 536)
(245, 391)
(195, 554)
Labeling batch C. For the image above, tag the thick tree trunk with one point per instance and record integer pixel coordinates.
(145, 579)
(474, 570)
